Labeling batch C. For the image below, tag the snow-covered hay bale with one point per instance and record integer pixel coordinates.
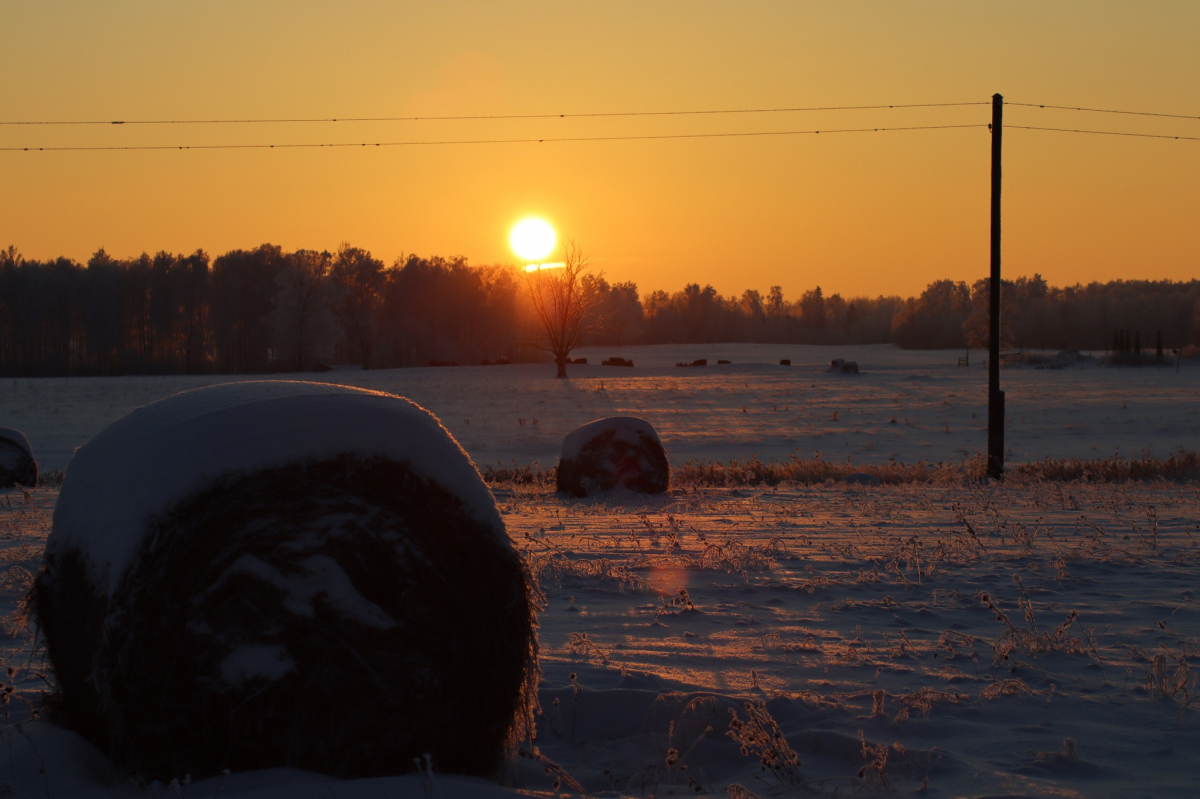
(16, 459)
(619, 451)
(269, 574)
(842, 366)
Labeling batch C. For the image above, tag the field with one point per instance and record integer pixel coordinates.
(910, 406)
(951, 638)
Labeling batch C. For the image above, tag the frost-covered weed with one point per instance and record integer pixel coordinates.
(759, 735)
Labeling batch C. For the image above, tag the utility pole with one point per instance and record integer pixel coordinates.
(995, 461)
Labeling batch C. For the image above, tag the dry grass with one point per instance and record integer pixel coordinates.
(519, 475)
(1181, 465)
(752, 471)
(759, 735)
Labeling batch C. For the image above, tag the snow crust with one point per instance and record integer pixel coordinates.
(627, 429)
(167, 450)
(18, 438)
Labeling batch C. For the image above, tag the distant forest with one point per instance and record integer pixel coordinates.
(266, 310)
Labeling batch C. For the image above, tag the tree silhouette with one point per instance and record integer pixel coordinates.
(561, 299)
(617, 316)
(935, 319)
(305, 327)
(264, 310)
(360, 280)
(813, 309)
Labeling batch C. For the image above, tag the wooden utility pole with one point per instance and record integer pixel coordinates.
(995, 461)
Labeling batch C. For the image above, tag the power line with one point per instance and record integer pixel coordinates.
(482, 141)
(570, 139)
(1104, 110)
(1106, 132)
(485, 116)
(581, 115)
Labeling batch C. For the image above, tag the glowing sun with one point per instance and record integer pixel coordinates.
(533, 239)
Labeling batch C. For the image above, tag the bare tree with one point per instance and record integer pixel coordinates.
(561, 299)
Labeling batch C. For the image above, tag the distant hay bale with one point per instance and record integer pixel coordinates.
(17, 465)
(842, 366)
(341, 613)
(621, 451)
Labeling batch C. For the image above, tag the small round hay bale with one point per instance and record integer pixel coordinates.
(16, 459)
(842, 366)
(619, 451)
(306, 576)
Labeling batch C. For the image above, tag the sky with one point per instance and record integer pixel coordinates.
(856, 213)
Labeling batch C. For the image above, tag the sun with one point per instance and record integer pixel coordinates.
(533, 239)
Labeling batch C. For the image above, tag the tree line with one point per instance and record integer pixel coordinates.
(267, 310)
(1035, 315)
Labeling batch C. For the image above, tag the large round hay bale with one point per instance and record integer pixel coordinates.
(269, 574)
(619, 451)
(17, 465)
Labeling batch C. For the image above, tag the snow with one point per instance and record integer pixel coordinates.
(626, 429)
(322, 576)
(522, 413)
(167, 450)
(843, 609)
(846, 609)
(248, 661)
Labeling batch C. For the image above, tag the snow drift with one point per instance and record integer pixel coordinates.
(292, 574)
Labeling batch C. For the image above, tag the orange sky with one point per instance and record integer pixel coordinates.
(864, 213)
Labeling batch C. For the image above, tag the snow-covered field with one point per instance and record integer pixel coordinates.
(946, 640)
(906, 405)
(842, 610)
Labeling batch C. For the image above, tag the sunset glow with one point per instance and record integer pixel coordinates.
(533, 239)
(863, 213)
